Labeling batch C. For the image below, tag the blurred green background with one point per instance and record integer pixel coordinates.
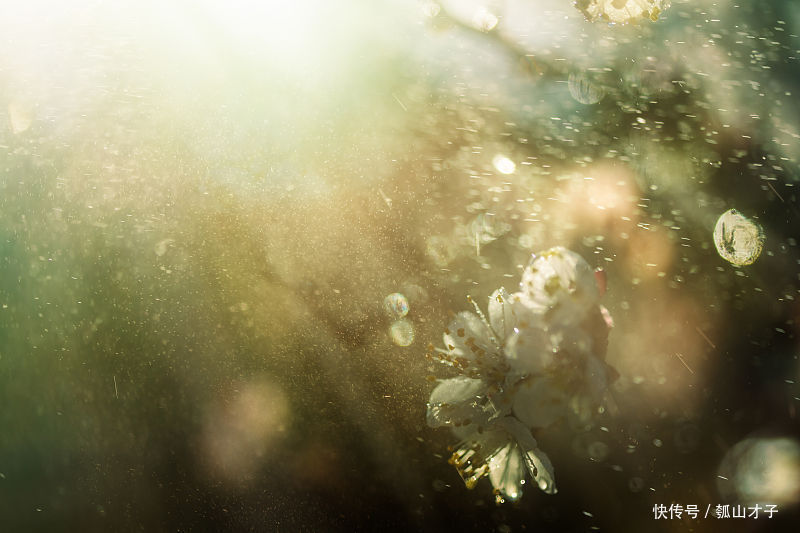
(204, 204)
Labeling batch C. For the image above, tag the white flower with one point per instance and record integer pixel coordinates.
(460, 401)
(475, 347)
(537, 360)
(570, 380)
(572, 389)
(476, 404)
(506, 451)
(560, 285)
(530, 350)
(621, 11)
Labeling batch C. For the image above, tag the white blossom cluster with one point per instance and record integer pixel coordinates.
(621, 11)
(536, 360)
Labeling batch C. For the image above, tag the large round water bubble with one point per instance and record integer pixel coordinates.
(583, 89)
(402, 332)
(738, 239)
(503, 164)
(441, 250)
(396, 305)
(759, 470)
(486, 228)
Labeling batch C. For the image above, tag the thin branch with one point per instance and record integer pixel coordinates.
(531, 64)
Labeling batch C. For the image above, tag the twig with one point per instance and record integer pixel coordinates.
(523, 56)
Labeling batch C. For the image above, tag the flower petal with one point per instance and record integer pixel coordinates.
(574, 341)
(472, 455)
(467, 325)
(539, 403)
(471, 347)
(561, 285)
(529, 350)
(537, 462)
(502, 315)
(597, 325)
(596, 378)
(507, 473)
(458, 401)
(541, 469)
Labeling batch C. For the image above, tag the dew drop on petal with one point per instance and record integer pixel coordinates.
(738, 239)
(503, 164)
(396, 305)
(402, 332)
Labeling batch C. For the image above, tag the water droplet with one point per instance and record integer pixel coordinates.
(687, 438)
(414, 293)
(485, 20)
(635, 484)
(402, 332)
(598, 450)
(19, 116)
(161, 247)
(431, 9)
(738, 239)
(503, 164)
(441, 250)
(487, 228)
(584, 90)
(396, 305)
(761, 469)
